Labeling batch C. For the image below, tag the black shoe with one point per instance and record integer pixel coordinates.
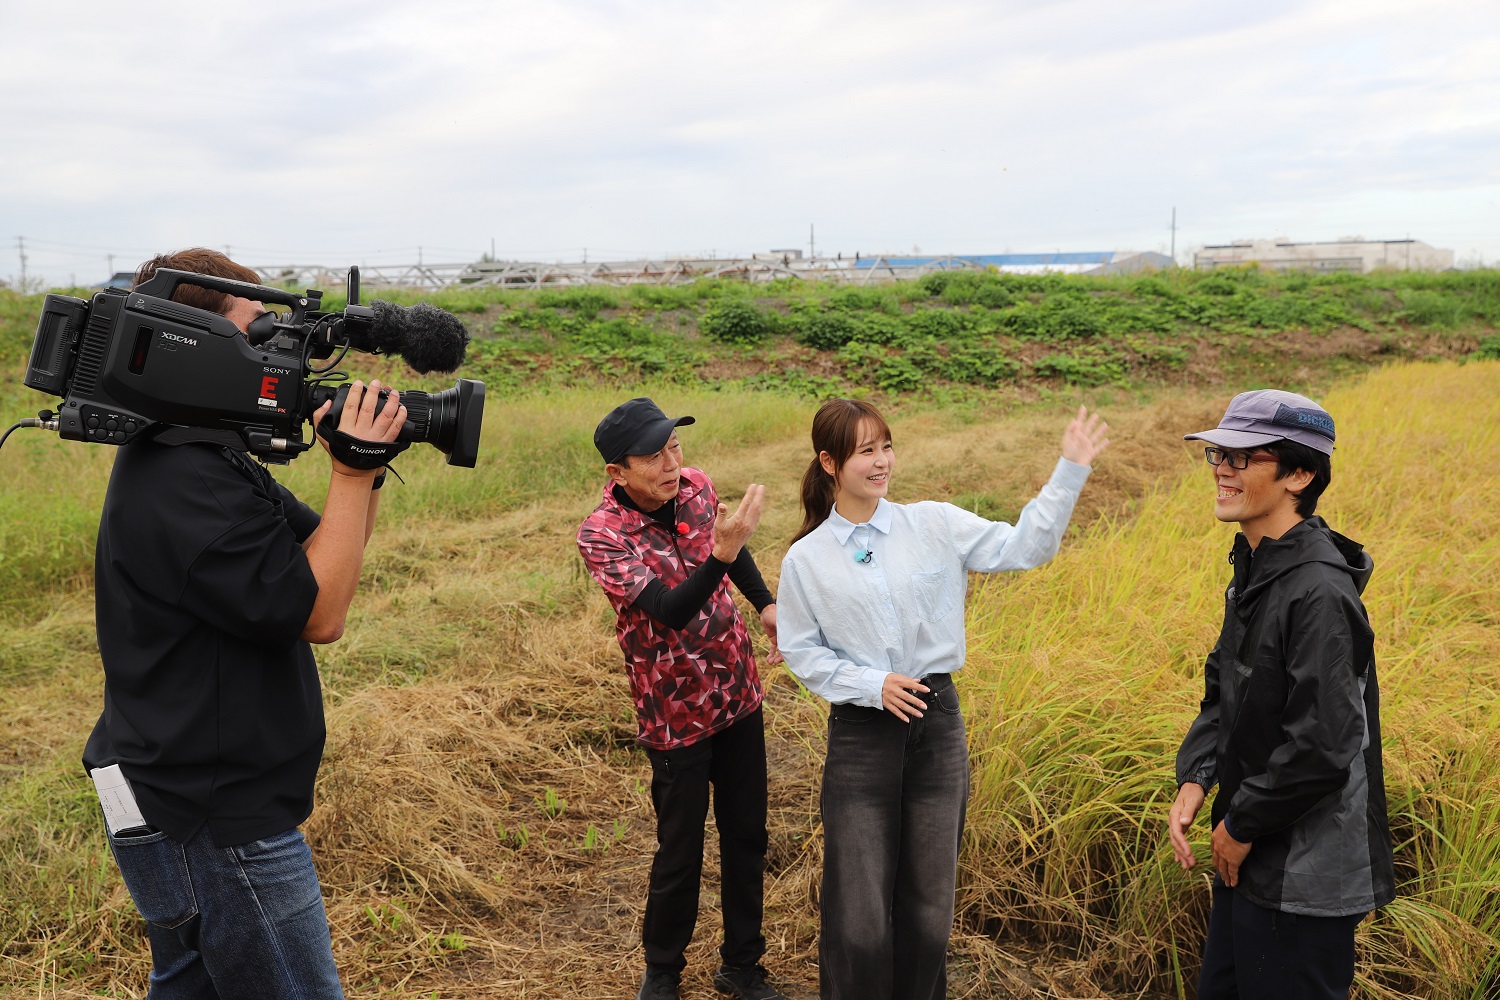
(745, 982)
(659, 984)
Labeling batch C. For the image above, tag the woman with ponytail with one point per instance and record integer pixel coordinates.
(872, 620)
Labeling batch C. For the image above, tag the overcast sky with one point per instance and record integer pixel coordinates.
(347, 132)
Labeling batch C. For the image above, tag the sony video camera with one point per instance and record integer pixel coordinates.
(137, 363)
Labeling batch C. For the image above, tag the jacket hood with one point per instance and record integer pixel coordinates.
(1312, 541)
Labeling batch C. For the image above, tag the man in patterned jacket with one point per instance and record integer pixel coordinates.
(665, 551)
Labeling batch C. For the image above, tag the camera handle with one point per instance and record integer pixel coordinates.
(166, 281)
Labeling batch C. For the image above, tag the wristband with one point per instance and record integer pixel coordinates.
(356, 452)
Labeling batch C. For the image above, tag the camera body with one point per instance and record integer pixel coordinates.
(137, 363)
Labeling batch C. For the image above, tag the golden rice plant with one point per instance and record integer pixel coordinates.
(1084, 675)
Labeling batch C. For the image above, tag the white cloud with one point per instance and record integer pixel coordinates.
(372, 128)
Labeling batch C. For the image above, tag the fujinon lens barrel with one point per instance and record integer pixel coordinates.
(449, 420)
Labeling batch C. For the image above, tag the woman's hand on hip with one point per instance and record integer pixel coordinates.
(898, 696)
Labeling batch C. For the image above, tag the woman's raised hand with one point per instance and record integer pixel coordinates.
(1085, 437)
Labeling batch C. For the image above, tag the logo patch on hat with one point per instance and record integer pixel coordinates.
(1316, 421)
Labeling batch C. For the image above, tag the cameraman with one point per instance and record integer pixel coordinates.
(211, 580)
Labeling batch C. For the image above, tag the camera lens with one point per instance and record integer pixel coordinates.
(449, 420)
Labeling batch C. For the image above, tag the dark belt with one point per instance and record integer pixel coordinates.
(934, 683)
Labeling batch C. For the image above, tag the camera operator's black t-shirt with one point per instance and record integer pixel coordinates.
(212, 706)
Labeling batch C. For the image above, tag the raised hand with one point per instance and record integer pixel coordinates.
(1085, 437)
(732, 530)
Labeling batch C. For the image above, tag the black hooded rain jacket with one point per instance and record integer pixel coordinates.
(1289, 727)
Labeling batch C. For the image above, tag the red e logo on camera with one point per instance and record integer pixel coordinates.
(268, 386)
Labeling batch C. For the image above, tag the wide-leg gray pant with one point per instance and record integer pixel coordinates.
(894, 795)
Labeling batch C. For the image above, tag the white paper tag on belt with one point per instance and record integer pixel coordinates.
(117, 799)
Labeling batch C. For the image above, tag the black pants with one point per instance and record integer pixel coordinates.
(1253, 953)
(894, 796)
(733, 760)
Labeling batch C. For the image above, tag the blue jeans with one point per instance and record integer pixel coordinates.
(894, 797)
(230, 922)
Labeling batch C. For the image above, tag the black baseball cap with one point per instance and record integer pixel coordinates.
(635, 427)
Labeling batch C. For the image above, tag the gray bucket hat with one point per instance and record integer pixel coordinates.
(1264, 415)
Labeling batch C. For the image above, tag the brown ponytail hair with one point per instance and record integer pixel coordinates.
(835, 429)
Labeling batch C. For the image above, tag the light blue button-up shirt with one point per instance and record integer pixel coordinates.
(843, 624)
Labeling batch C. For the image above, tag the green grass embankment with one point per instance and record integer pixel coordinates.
(949, 334)
(949, 339)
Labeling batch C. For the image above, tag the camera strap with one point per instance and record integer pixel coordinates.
(172, 436)
(233, 445)
(259, 477)
(358, 453)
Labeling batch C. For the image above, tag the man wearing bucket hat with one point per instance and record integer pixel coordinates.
(665, 550)
(1289, 725)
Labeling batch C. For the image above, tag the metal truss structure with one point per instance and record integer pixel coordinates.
(671, 271)
(761, 268)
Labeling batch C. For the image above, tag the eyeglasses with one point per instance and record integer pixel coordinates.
(1236, 459)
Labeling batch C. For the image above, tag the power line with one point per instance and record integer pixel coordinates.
(283, 252)
(65, 245)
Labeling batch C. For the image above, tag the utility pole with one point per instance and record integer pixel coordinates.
(110, 259)
(1174, 236)
(812, 241)
(21, 249)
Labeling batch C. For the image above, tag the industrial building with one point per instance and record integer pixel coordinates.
(1353, 254)
(1077, 262)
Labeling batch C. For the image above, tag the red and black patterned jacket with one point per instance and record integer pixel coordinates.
(690, 682)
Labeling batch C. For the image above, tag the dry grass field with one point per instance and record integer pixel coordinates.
(483, 827)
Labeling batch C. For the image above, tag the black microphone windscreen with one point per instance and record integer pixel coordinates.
(388, 331)
(429, 338)
(436, 340)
